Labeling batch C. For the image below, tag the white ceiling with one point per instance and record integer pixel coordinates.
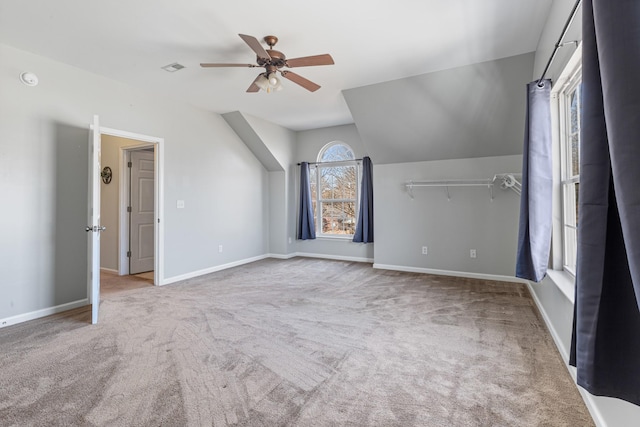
(370, 41)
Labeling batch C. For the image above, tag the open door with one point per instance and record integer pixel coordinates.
(93, 225)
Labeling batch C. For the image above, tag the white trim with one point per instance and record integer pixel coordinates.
(109, 270)
(335, 257)
(213, 269)
(281, 256)
(589, 400)
(8, 321)
(451, 273)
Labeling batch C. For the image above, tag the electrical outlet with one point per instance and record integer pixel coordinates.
(289, 240)
(220, 248)
(424, 250)
(472, 253)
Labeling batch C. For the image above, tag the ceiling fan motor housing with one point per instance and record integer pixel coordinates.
(277, 59)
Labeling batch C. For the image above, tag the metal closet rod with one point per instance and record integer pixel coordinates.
(559, 44)
(461, 182)
(507, 181)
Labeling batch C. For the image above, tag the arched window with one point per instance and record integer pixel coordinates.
(334, 190)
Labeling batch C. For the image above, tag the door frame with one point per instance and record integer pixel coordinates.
(157, 143)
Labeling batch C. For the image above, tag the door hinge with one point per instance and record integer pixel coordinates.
(130, 164)
(129, 209)
(128, 254)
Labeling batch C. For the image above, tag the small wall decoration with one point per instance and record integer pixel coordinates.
(106, 174)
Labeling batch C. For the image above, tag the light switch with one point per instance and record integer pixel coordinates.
(180, 204)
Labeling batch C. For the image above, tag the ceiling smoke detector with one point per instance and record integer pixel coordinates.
(29, 79)
(172, 68)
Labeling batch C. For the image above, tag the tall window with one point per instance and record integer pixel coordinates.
(334, 190)
(570, 124)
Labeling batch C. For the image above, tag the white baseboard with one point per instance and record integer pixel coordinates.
(281, 256)
(42, 313)
(109, 270)
(334, 257)
(202, 272)
(589, 401)
(450, 273)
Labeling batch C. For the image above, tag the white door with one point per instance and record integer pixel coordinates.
(142, 205)
(93, 225)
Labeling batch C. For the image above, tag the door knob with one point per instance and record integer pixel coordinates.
(95, 228)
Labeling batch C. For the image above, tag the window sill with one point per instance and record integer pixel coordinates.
(344, 238)
(565, 282)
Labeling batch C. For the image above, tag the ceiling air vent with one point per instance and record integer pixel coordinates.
(173, 67)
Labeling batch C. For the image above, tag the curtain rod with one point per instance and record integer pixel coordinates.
(559, 44)
(328, 163)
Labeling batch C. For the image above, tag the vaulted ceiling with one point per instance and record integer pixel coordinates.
(382, 50)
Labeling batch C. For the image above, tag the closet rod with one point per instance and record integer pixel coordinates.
(559, 44)
(505, 180)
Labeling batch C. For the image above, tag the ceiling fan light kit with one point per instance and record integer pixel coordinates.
(272, 61)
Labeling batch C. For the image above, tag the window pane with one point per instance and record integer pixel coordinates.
(336, 153)
(338, 217)
(338, 182)
(570, 204)
(574, 155)
(570, 246)
(313, 183)
(574, 112)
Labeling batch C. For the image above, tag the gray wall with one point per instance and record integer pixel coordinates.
(464, 112)
(309, 145)
(43, 165)
(281, 142)
(449, 228)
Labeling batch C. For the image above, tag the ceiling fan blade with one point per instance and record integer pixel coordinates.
(307, 84)
(309, 61)
(254, 87)
(227, 65)
(255, 45)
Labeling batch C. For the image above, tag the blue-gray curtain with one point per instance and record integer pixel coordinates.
(605, 345)
(364, 228)
(534, 235)
(306, 222)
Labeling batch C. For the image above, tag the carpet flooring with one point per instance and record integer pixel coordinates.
(301, 342)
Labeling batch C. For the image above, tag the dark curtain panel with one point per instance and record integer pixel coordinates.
(534, 235)
(605, 345)
(306, 222)
(364, 228)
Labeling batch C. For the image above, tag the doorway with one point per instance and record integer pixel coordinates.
(132, 243)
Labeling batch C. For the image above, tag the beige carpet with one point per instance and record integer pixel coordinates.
(293, 343)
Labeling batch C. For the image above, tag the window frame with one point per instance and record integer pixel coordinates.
(566, 200)
(317, 198)
(569, 181)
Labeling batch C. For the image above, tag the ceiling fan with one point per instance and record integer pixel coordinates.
(273, 61)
